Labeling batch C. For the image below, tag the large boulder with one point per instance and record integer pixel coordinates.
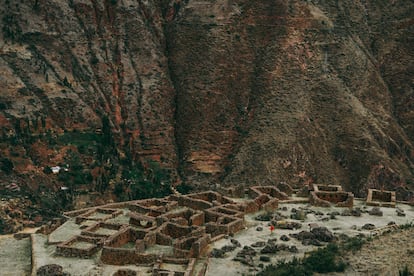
(323, 234)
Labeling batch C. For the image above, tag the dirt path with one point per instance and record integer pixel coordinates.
(384, 255)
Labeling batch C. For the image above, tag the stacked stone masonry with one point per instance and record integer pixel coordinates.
(381, 198)
(326, 195)
(154, 231)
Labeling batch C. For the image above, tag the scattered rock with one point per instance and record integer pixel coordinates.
(217, 253)
(259, 228)
(258, 244)
(346, 213)
(247, 251)
(356, 212)
(293, 249)
(298, 215)
(323, 234)
(400, 212)
(272, 240)
(278, 216)
(125, 272)
(228, 248)
(375, 212)
(391, 223)
(235, 242)
(282, 247)
(284, 238)
(269, 249)
(291, 225)
(331, 216)
(50, 270)
(264, 217)
(311, 242)
(368, 226)
(284, 208)
(303, 235)
(264, 258)
(247, 260)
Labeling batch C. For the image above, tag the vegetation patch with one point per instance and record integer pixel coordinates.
(323, 260)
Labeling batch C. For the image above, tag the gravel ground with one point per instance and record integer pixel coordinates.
(365, 264)
(18, 263)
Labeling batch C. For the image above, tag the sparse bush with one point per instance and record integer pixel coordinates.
(147, 183)
(407, 225)
(323, 260)
(353, 244)
(184, 188)
(283, 268)
(405, 271)
(47, 170)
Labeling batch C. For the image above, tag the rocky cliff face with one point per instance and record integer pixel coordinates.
(228, 92)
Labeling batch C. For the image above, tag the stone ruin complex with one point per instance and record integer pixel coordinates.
(173, 230)
(177, 230)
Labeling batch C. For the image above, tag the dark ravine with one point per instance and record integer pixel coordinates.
(228, 92)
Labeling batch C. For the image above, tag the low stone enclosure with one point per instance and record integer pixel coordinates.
(325, 195)
(178, 229)
(381, 198)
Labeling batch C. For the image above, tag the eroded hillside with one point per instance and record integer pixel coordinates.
(211, 92)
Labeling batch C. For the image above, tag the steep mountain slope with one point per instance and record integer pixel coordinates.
(229, 92)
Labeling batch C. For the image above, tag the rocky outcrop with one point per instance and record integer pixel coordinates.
(230, 92)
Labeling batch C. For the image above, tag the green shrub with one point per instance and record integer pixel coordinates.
(323, 260)
(407, 225)
(184, 188)
(353, 244)
(405, 271)
(283, 268)
(151, 182)
(6, 165)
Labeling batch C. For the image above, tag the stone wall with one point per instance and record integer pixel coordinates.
(122, 256)
(271, 191)
(141, 220)
(381, 198)
(211, 196)
(325, 199)
(92, 230)
(193, 203)
(224, 225)
(192, 217)
(285, 188)
(69, 248)
(326, 188)
(109, 213)
(125, 236)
